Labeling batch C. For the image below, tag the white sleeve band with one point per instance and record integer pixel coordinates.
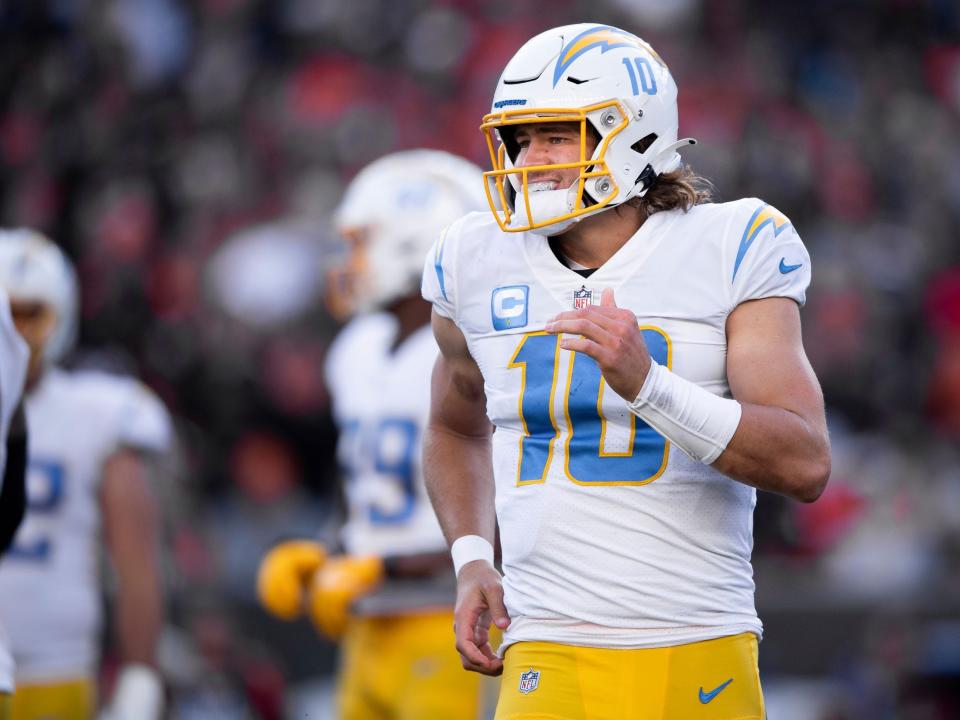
(692, 418)
(468, 548)
(138, 694)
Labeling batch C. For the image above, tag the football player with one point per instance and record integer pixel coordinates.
(638, 351)
(388, 590)
(88, 450)
(14, 357)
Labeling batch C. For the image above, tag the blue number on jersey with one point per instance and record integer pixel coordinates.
(44, 495)
(587, 461)
(390, 447)
(537, 357)
(395, 445)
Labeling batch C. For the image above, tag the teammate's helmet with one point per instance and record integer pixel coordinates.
(390, 215)
(34, 268)
(606, 80)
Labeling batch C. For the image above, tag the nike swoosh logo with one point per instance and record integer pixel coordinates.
(707, 697)
(784, 268)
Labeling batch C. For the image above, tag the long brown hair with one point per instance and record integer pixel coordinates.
(681, 188)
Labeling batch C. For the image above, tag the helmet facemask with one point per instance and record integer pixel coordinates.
(516, 207)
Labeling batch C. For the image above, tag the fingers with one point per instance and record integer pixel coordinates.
(283, 575)
(585, 346)
(578, 326)
(474, 655)
(599, 314)
(606, 298)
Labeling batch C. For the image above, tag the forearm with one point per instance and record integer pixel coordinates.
(458, 471)
(768, 446)
(131, 518)
(777, 450)
(139, 617)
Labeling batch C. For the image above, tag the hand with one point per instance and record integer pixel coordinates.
(342, 580)
(479, 602)
(612, 338)
(285, 573)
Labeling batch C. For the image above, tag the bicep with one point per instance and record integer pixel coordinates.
(457, 398)
(766, 362)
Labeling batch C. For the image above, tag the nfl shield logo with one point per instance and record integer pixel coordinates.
(529, 681)
(582, 298)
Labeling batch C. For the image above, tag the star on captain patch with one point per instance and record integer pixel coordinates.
(582, 298)
(529, 681)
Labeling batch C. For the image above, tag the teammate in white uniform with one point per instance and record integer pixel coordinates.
(390, 592)
(89, 436)
(14, 358)
(638, 352)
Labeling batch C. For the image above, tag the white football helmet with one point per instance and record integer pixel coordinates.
(34, 268)
(390, 215)
(602, 78)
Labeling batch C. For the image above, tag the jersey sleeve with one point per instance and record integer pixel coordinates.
(144, 423)
(767, 257)
(439, 282)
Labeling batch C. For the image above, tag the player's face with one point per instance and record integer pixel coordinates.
(345, 282)
(35, 321)
(551, 144)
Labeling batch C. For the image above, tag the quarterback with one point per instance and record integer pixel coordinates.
(637, 350)
(90, 438)
(389, 591)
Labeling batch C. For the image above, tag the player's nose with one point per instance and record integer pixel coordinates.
(538, 153)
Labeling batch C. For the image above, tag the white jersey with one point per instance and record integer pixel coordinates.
(14, 359)
(49, 581)
(610, 536)
(381, 402)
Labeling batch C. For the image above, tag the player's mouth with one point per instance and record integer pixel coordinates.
(541, 185)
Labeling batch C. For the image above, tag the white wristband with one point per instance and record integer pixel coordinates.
(692, 418)
(138, 694)
(468, 548)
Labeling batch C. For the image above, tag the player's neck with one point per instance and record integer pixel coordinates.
(594, 240)
(412, 313)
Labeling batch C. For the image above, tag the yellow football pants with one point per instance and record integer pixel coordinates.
(715, 679)
(407, 668)
(66, 700)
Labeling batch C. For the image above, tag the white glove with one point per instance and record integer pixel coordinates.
(138, 695)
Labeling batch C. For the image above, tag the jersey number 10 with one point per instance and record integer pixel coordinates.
(587, 460)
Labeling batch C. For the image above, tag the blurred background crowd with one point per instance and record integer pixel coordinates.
(186, 154)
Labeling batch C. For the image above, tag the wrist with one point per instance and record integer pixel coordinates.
(468, 548)
(138, 693)
(694, 419)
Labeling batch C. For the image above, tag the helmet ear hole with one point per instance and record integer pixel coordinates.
(644, 143)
